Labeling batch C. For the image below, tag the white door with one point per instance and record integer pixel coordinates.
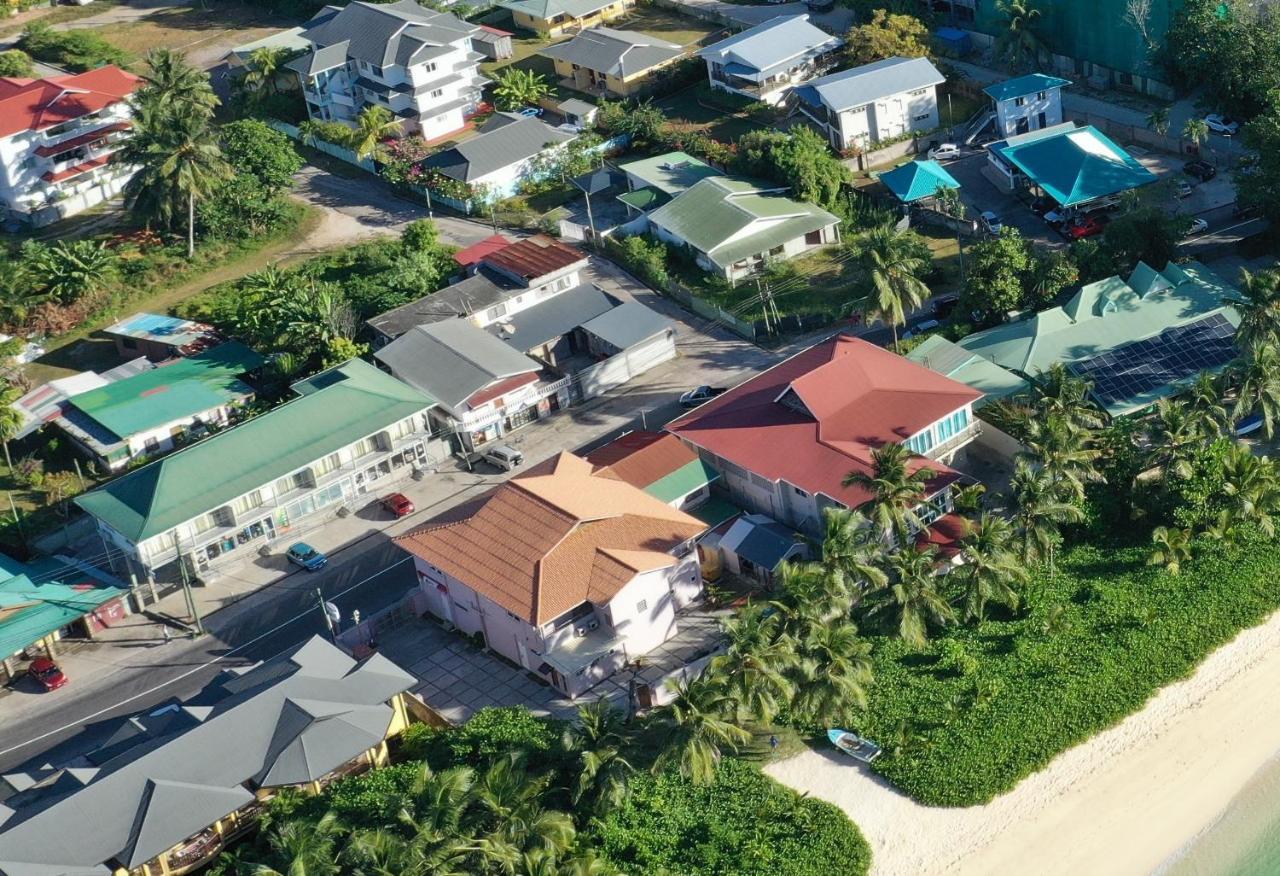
(524, 653)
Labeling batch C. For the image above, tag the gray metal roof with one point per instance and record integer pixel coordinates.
(392, 33)
(554, 317)
(787, 38)
(618, 53)
(303, 713)
(870, 82)
(463, 298)
(323, 58)
(628, 324)
(506, 140)
(455, 358)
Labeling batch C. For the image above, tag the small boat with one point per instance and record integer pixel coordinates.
(854, 745)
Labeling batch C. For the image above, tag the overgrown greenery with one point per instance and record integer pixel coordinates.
(77, 50)
(1229, 50)
(887, 35)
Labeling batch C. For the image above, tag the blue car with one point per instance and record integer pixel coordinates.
(304, 555)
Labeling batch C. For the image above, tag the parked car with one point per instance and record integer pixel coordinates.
(1058, 215)
(1086, 226)
(530, 112)
(944, 152)
(1201, 170)
(304, 555)
(398, 504)
(1182, 189)
(943, 306)
(1198, 226)
(1043, 206)
(48, 673)
(991, 222)
(920, 328)
(1220, 124)
(503, 456)
(701, 395)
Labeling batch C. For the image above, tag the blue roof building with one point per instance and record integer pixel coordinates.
(917, 180)
(1074, 166)
(764, 61)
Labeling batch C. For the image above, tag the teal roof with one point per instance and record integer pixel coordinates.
(683, 481)
(38, 598)
(337, 407)
(1073, 165)
(952, 360)
(918, 179)
(171, 392)
(1023, 85)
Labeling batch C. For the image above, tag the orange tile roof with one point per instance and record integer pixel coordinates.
(642, 458)
(535, 257)
(560, 535)
(36, 104)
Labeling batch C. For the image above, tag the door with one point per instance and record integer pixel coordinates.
(524, 653)
(1023, 126)
(1040, 121)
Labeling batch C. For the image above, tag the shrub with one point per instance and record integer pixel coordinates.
(495, 731)
(254, 147)
(743, 823)
(16, 64)
(77, 50)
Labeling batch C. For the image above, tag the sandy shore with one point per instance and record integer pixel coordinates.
(1122, 803)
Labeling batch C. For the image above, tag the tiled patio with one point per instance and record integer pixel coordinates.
(456, 678)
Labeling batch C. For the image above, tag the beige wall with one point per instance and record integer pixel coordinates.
(565, 24)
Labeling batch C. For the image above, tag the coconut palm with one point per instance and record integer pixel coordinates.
(753, 665)
(698, 729)
(1170, 548)
(989, 567)
(1251, 487)
(1258, 304)
(969, 499)
(264, 68)
(831, 674)
(912, 601)
(896, 491)
(851, 549)
(513, 799)
(1065, 452)
(1158, 120)
(302, 847)
(814, 592)
(11, 420)
(1019, 42)
(1175, 436)
(1040, 511)
(597, 742)
(895, 264)
(1203, 401)
(1257, 375)
(171, 84)
(373, 125)
(1060, 393)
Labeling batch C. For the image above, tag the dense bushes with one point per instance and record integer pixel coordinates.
(744, 824)
(490, 732)
(77, 50)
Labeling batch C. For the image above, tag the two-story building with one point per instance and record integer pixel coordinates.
(171, 787)
(553, 18)
(612, 63)
(417, 63)
(57, 136)
(882, 100)
(785, 440)
(351, 433)
(765, 61)
(567, 571)
(1026, 103)
(505, 153)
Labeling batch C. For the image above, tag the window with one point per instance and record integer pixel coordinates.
(151, 445)
(496, 312)
(921, 443)
(1040, 95)
(923, 118)
(800, 492)
(429, 68)
(326, 465)
(642, 606)
(437, 92)
(917, 92)
(1019, 101)
(953, 425)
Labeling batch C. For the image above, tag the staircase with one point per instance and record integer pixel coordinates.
(980, 122)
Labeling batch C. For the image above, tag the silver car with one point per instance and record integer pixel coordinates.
(503, 456)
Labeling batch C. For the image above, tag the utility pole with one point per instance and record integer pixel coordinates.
(329, 610)
(186, 586)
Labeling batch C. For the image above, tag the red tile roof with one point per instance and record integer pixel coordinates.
(642, 458)
(945, 534)
(36, 104)
(477, 251)
(535, 257)
(501, 388)
(817, 416)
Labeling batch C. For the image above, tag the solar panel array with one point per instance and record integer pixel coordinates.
(1125, 374)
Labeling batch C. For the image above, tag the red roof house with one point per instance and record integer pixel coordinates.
(817, 416)
(37, 104)
(475, 253)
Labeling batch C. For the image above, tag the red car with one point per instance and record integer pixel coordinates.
(47, 673)
(1086, 226)
(398, 504)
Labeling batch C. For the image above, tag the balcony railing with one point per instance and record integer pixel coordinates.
(964, 436)
(199, 850)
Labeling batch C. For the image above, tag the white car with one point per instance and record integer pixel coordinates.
(944, 151)
(1220, 124)
(991, 222)
(1198, 226)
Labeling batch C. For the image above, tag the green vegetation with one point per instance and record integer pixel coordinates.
(76, 50)
(15, 63)
(518, 88)
(887, 35)
(1229, 50)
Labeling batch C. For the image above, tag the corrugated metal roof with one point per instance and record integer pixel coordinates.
(671, 172)
(1024, 85)
(620, 53)
(535, 257)
(546, 10)
(774, 43)
(1074, 165)
(870, 82)
(918, 179)
(496, 147)
(950, 359)
(389, 33)
(464, 298)
(550, 319)
(628, 324)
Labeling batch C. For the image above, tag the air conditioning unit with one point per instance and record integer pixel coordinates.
(579, 632)
(592, 624)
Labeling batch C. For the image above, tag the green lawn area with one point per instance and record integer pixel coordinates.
(665, 24)
(1090, 646)
(687, 114)
(53, 15)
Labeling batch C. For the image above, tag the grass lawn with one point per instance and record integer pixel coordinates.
(685, 113)
(53, 15)
(816, 282)
(195, 30)
(956, 109)
(981, 708)
(683, 30)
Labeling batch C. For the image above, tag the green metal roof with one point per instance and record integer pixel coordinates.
(1105, 315)
(670, 172)
(951, 360)
(683, 481)
(337, 407)
(1032, 83)
(1073, 165)
(171, 392)
(644, 199)
(715, 216)
(918, 179)
(37, 599)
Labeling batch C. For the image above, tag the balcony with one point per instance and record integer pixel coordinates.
(956, 441)
(52, 149)
(197, 851)
(85, 125)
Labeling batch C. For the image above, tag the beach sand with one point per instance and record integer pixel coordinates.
(1124, 802)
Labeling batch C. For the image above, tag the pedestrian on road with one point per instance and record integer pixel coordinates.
(165, 632)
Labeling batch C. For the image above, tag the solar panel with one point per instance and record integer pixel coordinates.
(1121, 376)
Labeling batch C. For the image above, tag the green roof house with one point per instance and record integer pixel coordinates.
(952, 360)
(655, 180)
(735, 227)
(1137, 341)
(217, 500)
(1074, 166)
(151, 412)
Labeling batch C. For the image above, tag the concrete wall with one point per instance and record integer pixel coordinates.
(1008, 113)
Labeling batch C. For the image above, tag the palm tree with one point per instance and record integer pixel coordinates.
(1019, 42)
(1064, 452)
(20, 294)
(516, 89)
(1158, 120)
(1174, 438)
(1040, 510)
(303, 847)
(171, 84)
(832, 673)
(753, 665)
(1196, 130)
(11, 421)
(1203, 400)
(697, 729)
(969, 499)
(373, 125)
(1258, 305)
(912, 600)
(1170, 548)
(851, 549)
(521, 824)
(894, 264)
(1251, 487)
(1060, 393)
(70, 270)
(598, 740)
(264, 68)
(895, 491)
(1258, 376)
(989, 566)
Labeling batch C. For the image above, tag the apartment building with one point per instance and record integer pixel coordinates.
(57, 136)
(859, 108)
(764, 61)
(419, 64)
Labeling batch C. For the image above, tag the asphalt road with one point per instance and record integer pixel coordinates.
(373, 577)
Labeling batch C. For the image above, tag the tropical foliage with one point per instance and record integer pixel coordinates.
(517, 89)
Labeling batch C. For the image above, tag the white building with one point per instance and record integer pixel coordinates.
(1026, 104)
(861, 107)
(57, 136)
(764, 61)
(570, 573)
(506, 152)
(417, 63)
